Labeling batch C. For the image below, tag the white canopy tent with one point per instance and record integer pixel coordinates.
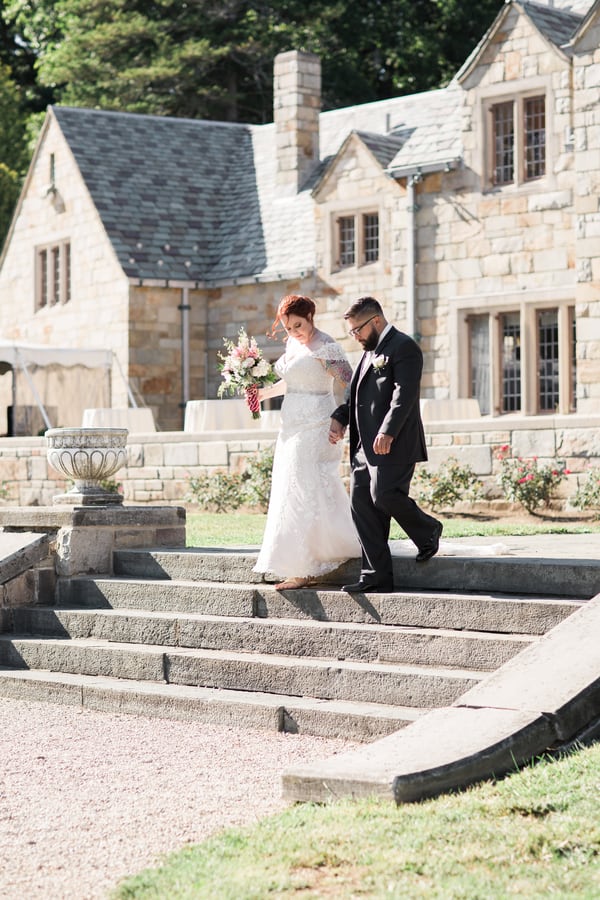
(61, 379)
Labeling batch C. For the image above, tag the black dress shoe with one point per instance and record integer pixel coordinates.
(432, 546)
(368, 587)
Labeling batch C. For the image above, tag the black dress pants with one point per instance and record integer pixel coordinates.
(378, 495)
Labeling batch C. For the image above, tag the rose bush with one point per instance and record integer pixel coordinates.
(447, 485)
(524, 481)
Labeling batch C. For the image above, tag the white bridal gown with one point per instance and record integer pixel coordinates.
(309, 528)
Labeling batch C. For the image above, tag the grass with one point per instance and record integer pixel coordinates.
(246, 529)
(534, 834)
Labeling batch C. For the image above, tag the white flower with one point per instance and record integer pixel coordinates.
(379, 363)
(262, 368)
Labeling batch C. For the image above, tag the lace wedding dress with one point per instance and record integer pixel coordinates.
(309, 528)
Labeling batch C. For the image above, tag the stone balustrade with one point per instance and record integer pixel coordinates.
(160, 465)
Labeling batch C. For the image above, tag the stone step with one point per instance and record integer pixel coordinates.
(370, 682)
(290, 637)
(507, 574)
(296, 715)
(497, 613)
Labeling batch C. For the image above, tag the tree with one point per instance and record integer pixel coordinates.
(25, 29)
(214, 58)
(12, 148)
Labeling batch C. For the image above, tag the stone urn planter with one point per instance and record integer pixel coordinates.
(87, 456)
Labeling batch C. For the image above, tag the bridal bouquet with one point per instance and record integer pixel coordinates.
(244, 370)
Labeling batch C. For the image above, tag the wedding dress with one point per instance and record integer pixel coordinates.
(309, 529)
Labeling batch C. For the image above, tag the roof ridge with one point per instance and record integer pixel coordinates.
(117, 113)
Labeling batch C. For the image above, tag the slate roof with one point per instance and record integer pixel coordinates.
(558, 25)
(172, 193)
(383, 146)
(426, 127)
(193, 200)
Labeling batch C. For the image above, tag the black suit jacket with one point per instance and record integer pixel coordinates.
(386, 399)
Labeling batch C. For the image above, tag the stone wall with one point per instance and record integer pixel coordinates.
(160, 465)
(586, 135)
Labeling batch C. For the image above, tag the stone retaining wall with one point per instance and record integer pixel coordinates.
(160, 464)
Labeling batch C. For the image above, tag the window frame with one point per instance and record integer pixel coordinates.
(362, 228)
(529, 312)
(520, 95)
(52, 274)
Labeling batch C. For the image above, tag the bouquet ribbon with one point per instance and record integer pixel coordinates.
(253, 401)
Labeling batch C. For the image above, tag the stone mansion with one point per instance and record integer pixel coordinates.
(471, 212)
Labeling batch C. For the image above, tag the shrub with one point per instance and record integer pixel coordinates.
(222, 491)
(218, 492)
(448, 485)
(112, 486)
(587, 495)
(524, 481)
(257, 478)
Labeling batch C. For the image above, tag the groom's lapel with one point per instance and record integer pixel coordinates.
(363, 367)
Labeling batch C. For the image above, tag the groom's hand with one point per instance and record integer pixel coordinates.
(336, 431)
(383, 444)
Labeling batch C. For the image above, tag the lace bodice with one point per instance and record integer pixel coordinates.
(312, 369)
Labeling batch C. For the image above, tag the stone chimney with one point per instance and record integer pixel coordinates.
(297, 104)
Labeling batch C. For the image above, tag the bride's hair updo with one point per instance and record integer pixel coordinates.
(293, 305)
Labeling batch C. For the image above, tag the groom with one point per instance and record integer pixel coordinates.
(386, 440)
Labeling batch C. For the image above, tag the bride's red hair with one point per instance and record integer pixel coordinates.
(293, 305)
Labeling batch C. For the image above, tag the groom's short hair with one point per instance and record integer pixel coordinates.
(368, 305)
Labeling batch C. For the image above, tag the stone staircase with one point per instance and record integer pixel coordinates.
(196, 634)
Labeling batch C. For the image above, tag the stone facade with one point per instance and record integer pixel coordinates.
(586, 136)
(456, 249)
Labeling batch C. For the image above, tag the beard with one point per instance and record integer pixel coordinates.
(371, 341)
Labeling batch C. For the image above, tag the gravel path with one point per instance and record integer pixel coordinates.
(88, 798)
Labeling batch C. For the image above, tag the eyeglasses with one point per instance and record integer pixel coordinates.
(354, 331)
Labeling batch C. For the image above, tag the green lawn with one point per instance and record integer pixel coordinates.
(534, 834)
(246, 529)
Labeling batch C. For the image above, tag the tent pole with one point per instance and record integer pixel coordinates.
(34, 391)
(126, 382)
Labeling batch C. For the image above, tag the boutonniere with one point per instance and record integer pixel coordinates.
(379, 363)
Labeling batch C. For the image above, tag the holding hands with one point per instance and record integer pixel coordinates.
(336, 431)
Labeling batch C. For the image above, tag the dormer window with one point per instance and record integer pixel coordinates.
(357, 239)
(518, 140)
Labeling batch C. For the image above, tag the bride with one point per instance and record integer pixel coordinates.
(309, 528)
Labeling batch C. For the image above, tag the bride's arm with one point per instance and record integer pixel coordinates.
(271, 390)
(341, 371)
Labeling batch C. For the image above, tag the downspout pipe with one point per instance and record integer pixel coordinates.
(185, 350)
(411, 257)
(415, 174)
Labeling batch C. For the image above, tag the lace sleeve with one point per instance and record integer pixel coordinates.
(279, 366)
(335, 361)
